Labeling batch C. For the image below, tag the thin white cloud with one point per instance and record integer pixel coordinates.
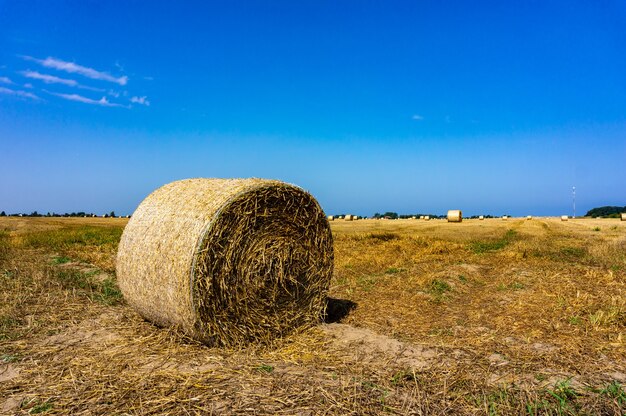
(49, 79)
(417, 117)
(5, 80)
(79, 98)
(28, 85)
(114, 93)
(74, 68)
(140, 100)
(18, 93)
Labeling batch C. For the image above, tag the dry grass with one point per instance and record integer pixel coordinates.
(481, 317)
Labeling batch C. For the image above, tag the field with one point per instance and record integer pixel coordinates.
(425, 317)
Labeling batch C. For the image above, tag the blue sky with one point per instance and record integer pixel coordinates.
(488, 107)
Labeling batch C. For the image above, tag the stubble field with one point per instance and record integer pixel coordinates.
(425, 317)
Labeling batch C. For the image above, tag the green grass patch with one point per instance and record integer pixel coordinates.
(40, 407)
(615, 391)
(265, 368)
(384, 236)
(5, 246)
(7, 326)
(8, 358)
(575, 320)
(511, 286)
(60, 260)
(487, 246)
(77, 237)
(105, 291)
(393, 270)
(439, 289)
(403, 377)
(572, 252)
(561, 400)
(366, 283)
(109, 293)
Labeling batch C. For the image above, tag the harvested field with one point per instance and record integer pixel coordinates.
(478, 317)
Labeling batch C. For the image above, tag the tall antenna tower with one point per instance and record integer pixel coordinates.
(574, 200)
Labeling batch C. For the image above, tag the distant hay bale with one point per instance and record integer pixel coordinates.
(427, 217)
(331, 218)
(564, 218)
(455, 215)
(349, 217)
(228, 261)
(529, 217)
(623, 216)
(413, 217)
(481, 217)
(421, 217)
(504, 217)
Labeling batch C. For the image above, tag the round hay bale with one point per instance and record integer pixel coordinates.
(349, 217)
(228, 261)
(455, 215)
(529, 217)
(504, 217)
(623, 216)
(331, 218)
(481, 217)
(426, 217)
(564, 218)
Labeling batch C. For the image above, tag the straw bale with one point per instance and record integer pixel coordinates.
(331, 218)
(455, 215)
(504, 217)
(481, 217)
(529, 217)
(227, 261)
(623, 216)
(564, 218)
(349, 217)
(427, 217)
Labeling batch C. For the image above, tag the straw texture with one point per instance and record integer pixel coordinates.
(455, 215)
(228, 261)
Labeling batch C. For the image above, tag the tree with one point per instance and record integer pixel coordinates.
(112, 214)
(3, 214)
(605, 211)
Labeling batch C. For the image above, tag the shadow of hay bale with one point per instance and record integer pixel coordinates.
(338, 309)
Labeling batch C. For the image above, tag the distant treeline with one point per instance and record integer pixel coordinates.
(395, 216)
(54, 214)
(606, 212)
